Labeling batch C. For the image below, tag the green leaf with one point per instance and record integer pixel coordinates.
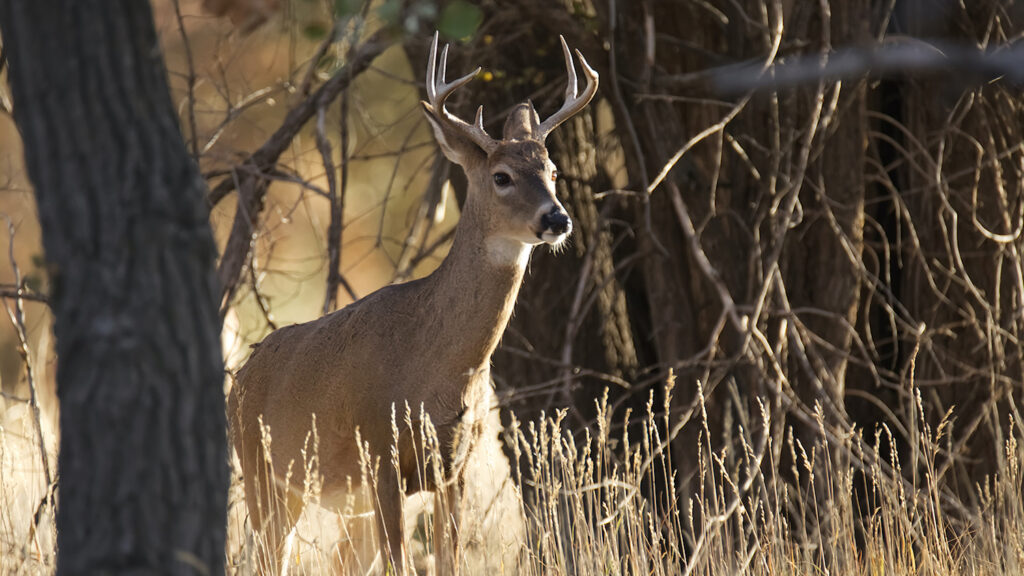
(329, 63)
(34, 282)
(460, 19)
(315, 30)
(389, 11)
(346, 8)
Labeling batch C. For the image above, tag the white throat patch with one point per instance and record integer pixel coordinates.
(507, 252)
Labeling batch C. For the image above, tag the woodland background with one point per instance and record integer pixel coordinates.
(810, 210)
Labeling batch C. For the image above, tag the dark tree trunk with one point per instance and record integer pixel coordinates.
(674, 316)
(143, 461)
(968, 354)
(830, 250)
(869, 231)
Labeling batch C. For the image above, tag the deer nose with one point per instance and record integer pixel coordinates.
(556, 221)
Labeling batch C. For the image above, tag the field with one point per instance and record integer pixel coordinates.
(589, 510)
(796, 262)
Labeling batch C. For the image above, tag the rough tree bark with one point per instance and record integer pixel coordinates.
(143, 461)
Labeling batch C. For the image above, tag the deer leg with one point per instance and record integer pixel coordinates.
(274, 517)
(447, 514)
(356, 551)
(390, 519)
(273, 511)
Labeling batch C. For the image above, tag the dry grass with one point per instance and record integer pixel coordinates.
(27, 530)
(589, 509)
(599, 501)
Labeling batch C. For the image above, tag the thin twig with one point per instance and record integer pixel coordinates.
(9, 291)
(323, 146)
(343, 191)
(261, 301)
(429, 251)
(191, 84)
(5, 103)
(321, 50)
(721, 124)
(17, 316)
(253, 187)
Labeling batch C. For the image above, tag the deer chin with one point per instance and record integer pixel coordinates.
(552, 239)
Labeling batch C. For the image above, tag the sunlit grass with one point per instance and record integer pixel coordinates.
(589, 508)
(27, 531)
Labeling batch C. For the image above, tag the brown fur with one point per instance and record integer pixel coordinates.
(426, 343)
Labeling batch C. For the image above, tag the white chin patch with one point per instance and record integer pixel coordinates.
(552, 238)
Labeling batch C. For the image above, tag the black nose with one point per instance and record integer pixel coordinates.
(556, 221)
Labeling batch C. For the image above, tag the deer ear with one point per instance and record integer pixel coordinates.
(522, 123)
(456, 146)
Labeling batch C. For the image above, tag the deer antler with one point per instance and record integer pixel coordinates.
(573, 104)
(438, 92)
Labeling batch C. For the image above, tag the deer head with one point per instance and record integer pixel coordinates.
(511, 180)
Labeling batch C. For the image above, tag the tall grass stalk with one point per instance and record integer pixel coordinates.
(601, 502)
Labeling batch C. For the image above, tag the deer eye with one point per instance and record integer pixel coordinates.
(502, 179)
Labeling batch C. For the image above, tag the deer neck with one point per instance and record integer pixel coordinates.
(477, 284)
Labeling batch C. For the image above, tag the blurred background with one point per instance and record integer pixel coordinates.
(810, 210)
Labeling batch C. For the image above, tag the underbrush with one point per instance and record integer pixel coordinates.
(600, 502)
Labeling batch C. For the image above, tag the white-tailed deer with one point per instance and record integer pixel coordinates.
(423, 343)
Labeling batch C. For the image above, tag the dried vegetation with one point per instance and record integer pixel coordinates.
(806, 293)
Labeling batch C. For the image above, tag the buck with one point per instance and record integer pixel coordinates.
(425, 343)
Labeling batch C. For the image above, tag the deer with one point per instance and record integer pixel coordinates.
(424, 343)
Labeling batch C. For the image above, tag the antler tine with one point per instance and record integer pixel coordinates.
(573, 103)
(438, 91)
(431, 91)
(570, 68)
(479, 123)
(444, 63)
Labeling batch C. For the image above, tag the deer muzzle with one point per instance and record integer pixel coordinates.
(555, 225)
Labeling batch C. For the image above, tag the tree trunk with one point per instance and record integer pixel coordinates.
(737, 206)
(143, 461)
(963, 281)
(868, 231)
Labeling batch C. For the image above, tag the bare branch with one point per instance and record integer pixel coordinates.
(17, 317)
(904, 57)
(191, 84)
(253, 186)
